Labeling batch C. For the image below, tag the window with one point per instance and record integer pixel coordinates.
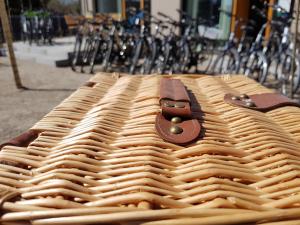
(108, 6)
(209, 10)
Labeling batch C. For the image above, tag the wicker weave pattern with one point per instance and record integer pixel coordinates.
(98, 156)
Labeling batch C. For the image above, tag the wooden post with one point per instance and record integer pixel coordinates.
(9, 41)
(234, 10)
(142, 4)
(123, 9)
(240, 8)
(269, 17)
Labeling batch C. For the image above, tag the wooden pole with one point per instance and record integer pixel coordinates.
(123, 9)
(269, 17)
(240, 10)
(9, 41)
(142, 4)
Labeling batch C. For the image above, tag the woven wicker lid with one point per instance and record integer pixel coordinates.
(99, 160)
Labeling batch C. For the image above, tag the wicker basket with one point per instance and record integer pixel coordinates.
(98, 160)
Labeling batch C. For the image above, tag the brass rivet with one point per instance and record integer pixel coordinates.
(244, 96)
(176, 130)
(234, 98)
(168, 104)
(179, 105)
(176, 119)
(250, 104)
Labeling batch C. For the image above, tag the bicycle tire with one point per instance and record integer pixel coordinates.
(184, 59)
(108, 54)
(205, 57)
(273, 68)
(230, 58)
(136, 57)
(285, 73)
(94, 56)
(85, 53)
(257, 62)
(296, 79)
(161, 67)
(76, 53)
(149, 60)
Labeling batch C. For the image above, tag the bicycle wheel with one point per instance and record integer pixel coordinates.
(181, 66)
(204, 56)
(273, 69)
(94, 55)
(285, 74)
(296, 79)
(163, 59)
(226, 63)
(257, 67)
(76, 53)
(106, 61)
(87, 49)
(136, 56)
(150, 57)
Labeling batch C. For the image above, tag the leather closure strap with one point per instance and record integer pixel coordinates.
(174, 99)
(175, 108)
(173, 89)
(22, 140)
(175, 122)
(260, 102)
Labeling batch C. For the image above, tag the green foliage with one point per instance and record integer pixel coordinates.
(30, 13)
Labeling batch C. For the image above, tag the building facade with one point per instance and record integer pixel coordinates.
(221, 24)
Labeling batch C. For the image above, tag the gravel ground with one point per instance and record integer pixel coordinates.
(48, 86)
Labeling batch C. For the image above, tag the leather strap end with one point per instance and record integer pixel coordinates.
(260, 102)
(189, 130)
(173, 89)
(176, 123)
(89, 84)
(22, 140)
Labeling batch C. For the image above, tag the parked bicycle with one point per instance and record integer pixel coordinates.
(37, 27)
(146, 44)
(269, 61)
(172, 47)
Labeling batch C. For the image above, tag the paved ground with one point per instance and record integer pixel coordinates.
(48, 86)
(45, 54)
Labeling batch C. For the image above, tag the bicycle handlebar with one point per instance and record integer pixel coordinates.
(170, 19)
(226, 13)
(259, 11)
(182, 13)
(163, 15)
(277, 7)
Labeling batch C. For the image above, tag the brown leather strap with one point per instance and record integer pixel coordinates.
(260, 102)
(22, 140)
(173, 89)
(89, 84)
(174, 99)
(175, 123)
(175, 108)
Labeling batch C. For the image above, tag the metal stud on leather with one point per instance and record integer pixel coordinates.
(175, 123)
(260, 102)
